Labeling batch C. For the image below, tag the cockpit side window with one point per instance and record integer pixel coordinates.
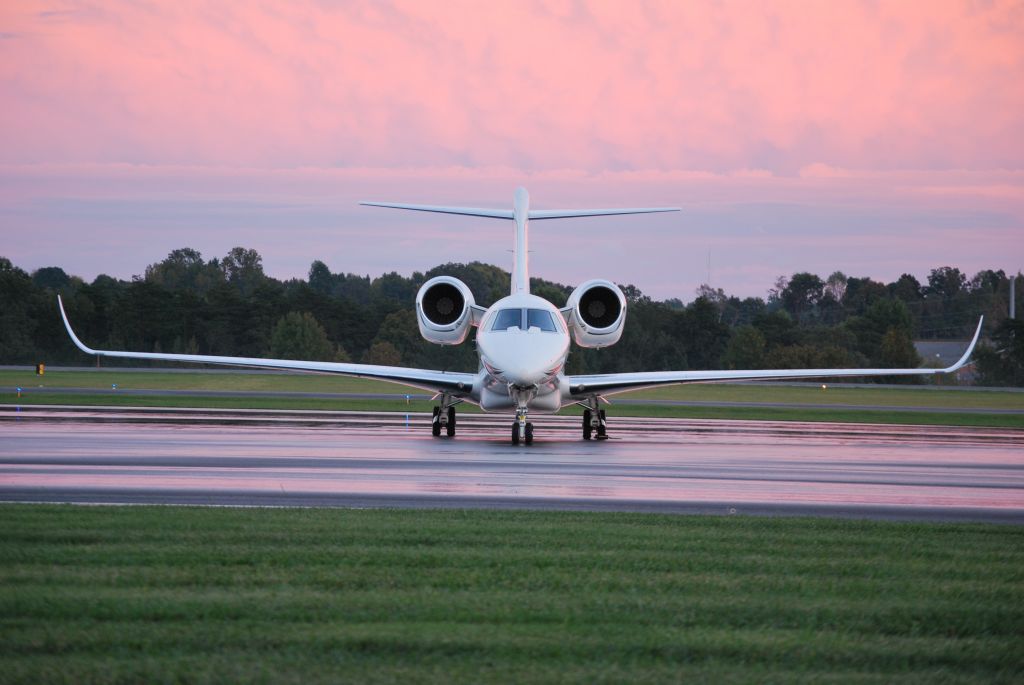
(506, 319)
(540, 318)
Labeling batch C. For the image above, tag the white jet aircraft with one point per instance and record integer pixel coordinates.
(522, 340)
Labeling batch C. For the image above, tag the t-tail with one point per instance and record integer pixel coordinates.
(521, 214)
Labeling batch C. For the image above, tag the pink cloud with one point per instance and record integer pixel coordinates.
(528, 86)
(867, 137)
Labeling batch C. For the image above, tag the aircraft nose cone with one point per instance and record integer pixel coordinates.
(523, 359)
(522, 375)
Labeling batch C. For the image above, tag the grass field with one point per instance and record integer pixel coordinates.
(152, 594)
(847, 397)
(422, 408)
(265, 382)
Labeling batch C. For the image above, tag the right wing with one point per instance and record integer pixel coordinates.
(458, 384)
(611, 383)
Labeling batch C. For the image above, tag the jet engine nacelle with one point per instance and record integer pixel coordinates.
(444, 310)
(597, 313)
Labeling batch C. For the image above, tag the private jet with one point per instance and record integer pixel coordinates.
(522, 340)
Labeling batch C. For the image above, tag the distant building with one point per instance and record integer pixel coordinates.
(942, 353)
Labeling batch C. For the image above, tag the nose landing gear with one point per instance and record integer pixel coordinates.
(522, 430)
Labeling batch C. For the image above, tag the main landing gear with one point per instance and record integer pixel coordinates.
(444, 417)
(595, 420)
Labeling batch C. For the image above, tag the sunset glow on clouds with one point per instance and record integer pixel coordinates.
(870, 137)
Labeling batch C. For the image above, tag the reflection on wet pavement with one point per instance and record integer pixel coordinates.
(649, 464)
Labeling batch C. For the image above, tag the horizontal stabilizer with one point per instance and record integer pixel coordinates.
(538, 214)
(535, 214)
(466, 211)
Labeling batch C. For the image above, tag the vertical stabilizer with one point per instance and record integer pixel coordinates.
(520, 254)
(521, 215)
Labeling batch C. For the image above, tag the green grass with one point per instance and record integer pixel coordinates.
(269, 383)
(264, 382)
(841, 415)
(198, 380)
(152, 594)
(838, 394)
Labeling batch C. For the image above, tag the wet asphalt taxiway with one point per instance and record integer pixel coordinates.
(288, 458)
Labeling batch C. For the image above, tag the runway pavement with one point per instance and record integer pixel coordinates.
(291, 458)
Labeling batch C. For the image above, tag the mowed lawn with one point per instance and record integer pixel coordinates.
(702, 392)
(830, 403)
(164, 594)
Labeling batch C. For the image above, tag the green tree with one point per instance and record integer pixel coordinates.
(906, 288)
(1003, 362)
(897, 350)
(802, 294)
(16, 322)
(746, 349)
(243, 268)
(870, 330)
(777, 327)
(184, 269)
(382, 353)
(401, 331)
(946, 282)
(861, 293)
(341, 354)
(300, 336)
(320, 278)
(52, 277)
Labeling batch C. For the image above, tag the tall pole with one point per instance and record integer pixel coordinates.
(1013, 297)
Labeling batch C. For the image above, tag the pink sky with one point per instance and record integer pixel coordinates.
(874, 138)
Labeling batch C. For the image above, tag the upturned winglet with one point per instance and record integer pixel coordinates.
(74, 338)
(970, 350)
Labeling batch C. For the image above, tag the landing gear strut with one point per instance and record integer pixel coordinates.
(594, 420)
(522, 430)
(444, 417)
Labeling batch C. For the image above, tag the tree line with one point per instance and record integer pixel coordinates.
(230, 306)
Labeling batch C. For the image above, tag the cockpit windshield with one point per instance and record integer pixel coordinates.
(508, 318)
(540, 318)
(524, 320)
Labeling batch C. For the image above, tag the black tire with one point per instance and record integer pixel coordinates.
(515, 433)
(451, 418)
(602, 426)
(529, 434)
(435, 426)
(450, 429)
(588, 430)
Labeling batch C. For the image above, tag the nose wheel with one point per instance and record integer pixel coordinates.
(522, 433)
(522, 430)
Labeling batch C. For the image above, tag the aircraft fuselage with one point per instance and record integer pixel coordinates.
(523, 342)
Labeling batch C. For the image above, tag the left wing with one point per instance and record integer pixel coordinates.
(458, 384)
(611, 383)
